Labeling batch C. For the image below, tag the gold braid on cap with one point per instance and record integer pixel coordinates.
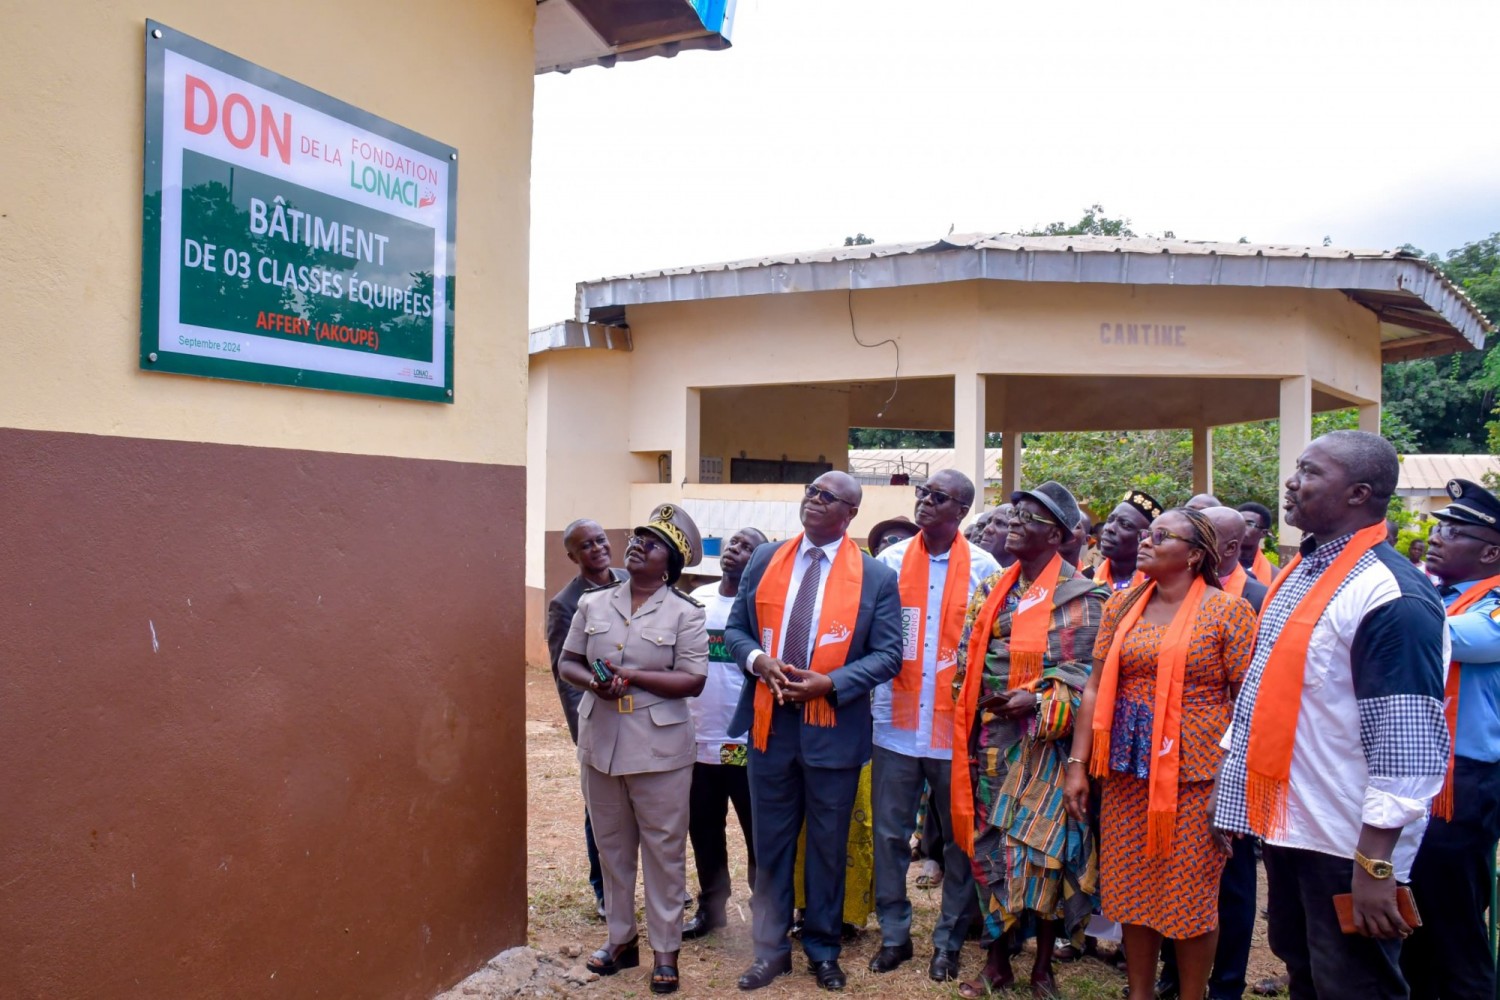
(675, 534)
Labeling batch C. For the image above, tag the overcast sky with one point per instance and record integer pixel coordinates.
(1367, 122)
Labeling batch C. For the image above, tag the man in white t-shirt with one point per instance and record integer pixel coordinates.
(719, 776)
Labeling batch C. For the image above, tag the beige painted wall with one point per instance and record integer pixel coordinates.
(70, 239)
(880, 502)
(801, 422)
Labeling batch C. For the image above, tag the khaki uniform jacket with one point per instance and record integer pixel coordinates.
(641, 732)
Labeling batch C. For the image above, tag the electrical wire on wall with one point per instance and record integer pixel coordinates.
(853, 332)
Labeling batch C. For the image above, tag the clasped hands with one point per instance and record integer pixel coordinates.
(791, 684)
(617, 688)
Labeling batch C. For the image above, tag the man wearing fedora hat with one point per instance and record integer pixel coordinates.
(913, 713)
(1449, 955)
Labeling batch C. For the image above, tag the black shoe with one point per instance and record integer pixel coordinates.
(607, 961)
(890, 957)
(1167, 991)
(763, 972)
(944, 966)
(699, 925)
(830, 976)
(850, 932)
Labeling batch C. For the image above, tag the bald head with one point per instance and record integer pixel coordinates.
(844, 485)
(1202, 501)
(1229, 525)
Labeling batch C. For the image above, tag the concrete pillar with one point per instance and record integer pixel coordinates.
(1010, 463)
(685, 454)
(1203, 459)
(1296, 433)
(968, 432)
(1369, 417)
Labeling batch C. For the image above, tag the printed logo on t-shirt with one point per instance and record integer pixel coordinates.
(718, 650)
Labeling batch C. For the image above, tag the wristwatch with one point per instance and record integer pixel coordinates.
(1375, 867)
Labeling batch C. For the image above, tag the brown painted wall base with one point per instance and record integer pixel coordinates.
(261, 720)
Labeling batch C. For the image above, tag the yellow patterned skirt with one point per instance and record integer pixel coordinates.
(859, 875)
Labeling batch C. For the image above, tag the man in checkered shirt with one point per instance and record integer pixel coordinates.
(1371, 744)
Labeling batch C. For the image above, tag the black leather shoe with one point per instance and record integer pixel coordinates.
(944, 966)
(830, 976)
(699, 925)
(890, 956)
(763, 972)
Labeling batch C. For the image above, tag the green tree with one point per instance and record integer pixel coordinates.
(1093, 223)
(888, 437)
(858, 240)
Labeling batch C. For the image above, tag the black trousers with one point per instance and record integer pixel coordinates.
(715, 786)
(1448, 958)
(1321, 960)
(1236, 926)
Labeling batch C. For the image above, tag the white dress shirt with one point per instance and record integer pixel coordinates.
(918, 742)
(799, 570)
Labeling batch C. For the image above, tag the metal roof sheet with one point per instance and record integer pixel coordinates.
(1417, 305)
(1429, 474)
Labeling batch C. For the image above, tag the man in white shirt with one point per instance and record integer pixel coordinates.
(913, 717)
(719, 770)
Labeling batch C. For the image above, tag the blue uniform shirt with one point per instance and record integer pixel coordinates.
(1476, 645)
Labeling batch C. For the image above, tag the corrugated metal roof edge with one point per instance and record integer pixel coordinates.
(1000, 256)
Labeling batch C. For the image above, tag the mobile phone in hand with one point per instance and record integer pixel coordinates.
(602, 672)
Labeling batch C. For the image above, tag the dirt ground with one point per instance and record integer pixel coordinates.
(562, 917)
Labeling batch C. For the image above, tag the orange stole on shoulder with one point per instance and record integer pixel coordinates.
(831, 641)
(1262, 568)
(1235, 582)
(906, 689)
(1443, 804)
(1166, 715)
(1028, 648)
(1278, 702)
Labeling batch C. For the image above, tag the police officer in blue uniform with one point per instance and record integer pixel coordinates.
(1449, 956)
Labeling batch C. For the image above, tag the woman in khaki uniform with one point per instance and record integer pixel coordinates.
(635, 735)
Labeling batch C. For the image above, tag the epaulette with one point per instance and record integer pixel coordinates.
(602, 586)
(687, 597)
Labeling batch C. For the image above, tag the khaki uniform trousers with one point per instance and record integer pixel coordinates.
(647, 814)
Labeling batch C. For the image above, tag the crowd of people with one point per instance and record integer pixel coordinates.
(1079, 740)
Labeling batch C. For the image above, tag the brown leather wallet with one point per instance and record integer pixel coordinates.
(1406, 904)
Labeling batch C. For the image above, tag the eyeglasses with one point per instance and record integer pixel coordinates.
(1027, 517)
(827, 496)
(1448, 533)
(1159, 535)
(1253, 523)
(938, 497)
(648, 543)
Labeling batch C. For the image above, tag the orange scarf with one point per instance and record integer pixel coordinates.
(1443, 804)
(835, 627)
(1028, 647)
(1166, 717)
(906, 689)
(1235, 582)
(1103, 578)
(1262, 568)
(1273, 721)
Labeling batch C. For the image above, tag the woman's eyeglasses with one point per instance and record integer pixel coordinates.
(648, 543)
(827, 496)
(1159, 535)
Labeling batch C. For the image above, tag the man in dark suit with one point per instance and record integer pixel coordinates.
(588, 548)
(807, 767)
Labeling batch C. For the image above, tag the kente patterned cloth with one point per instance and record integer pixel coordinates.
(1176, 895)
(1031, 861)
(859, 872)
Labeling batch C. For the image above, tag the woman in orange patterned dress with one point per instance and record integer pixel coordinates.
(1168, 662)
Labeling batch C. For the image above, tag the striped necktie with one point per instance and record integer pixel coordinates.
(799, 626)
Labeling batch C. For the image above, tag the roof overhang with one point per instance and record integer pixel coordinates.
(574, 33)
(570, 335)
(1421, 312)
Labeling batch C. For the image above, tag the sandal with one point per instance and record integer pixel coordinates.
(609, 960)
(931, 876)
(981, 987)
(664, 979)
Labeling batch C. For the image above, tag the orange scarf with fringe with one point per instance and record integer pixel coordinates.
(1262, 568)
(1278, 703)
(1443, 804)
(906, 689)
(831, 641)
(1166, 717)
(1103, 576)
(1028, 648)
